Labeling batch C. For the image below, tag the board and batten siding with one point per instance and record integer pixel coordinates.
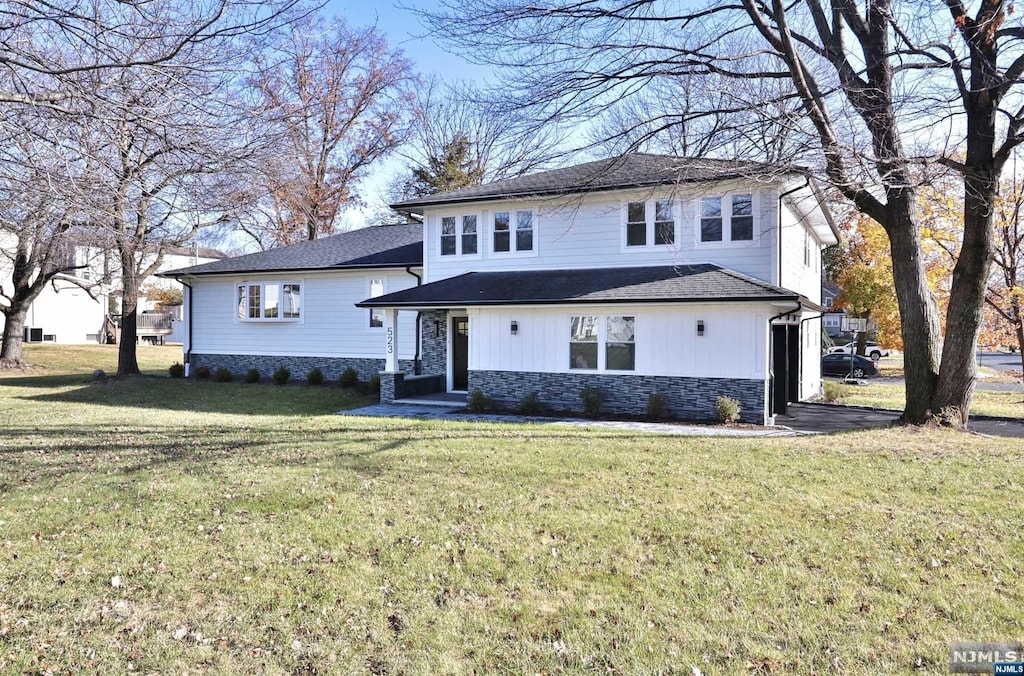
(589, 232)
(734, 343)
(810, 356)
(331, 324)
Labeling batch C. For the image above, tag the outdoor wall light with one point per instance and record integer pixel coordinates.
(515, 327)
(700, 327)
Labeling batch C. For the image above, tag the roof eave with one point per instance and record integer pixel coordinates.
(189, 272)
(376, 303)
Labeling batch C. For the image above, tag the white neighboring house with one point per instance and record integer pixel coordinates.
(72, 309)
(642, 274)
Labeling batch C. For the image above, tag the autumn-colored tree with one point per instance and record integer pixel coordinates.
(337, 99)
(1005, 297)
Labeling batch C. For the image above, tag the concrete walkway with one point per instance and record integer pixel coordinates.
(435, 412)
(804, 418)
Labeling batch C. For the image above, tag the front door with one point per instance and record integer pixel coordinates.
(460, 353)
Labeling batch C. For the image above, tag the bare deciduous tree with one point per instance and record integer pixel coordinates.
(337, 99)
(874, 83)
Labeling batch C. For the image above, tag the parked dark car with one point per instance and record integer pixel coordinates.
(840, 365)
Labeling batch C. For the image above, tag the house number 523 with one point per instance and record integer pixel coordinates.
(391, 340)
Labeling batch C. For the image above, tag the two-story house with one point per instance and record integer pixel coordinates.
(642, 274)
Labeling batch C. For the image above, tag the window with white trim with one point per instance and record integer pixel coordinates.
(602, 343)
(269, 301)
(469, 239)
(727, 218)
(650, 222)
(448, 236)
(808, 258)
(460, 235)
(376, 313)
(505, 238)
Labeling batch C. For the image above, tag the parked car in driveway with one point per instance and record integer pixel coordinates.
(871, 349)
(847, 365)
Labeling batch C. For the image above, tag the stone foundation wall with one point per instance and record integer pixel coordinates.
(687, 398)
(332, 367)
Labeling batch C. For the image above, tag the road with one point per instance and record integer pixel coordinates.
(1000, 361)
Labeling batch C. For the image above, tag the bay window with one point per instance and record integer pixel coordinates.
(269, 301)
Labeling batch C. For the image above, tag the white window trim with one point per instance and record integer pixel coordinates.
(369, 311)
(602, 343)
(513, 252)
(480, 244)
(262, 284)
(727, 241)
(649, 216)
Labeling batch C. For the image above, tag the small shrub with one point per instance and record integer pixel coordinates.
(530, 405)
(315, 377)
(282, 375)
(177, 370)
(373, 384)
(252, 376)
(727, 409)
(592, 398)
(350, 378)
(834, 391)
(656, 405)
(478, 402)
(222, 375)
(203, 372)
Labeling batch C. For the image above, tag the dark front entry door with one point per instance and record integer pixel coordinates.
(780, 369)
(460, 353)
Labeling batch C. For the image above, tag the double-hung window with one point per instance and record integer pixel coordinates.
(269, 301)
(376, 313)
(459, 235)
(602, 343)
(650, 222)
(728, 218)
(507, 240)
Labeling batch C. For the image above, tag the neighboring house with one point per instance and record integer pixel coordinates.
(74, 307)
(642, 274)
(833, 317)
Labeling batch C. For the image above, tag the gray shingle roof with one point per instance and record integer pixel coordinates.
(381, 246)
(625, 171)
(681, 283)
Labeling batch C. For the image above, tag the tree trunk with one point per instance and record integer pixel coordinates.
(127, 359)
(919, 316)
(11, 355)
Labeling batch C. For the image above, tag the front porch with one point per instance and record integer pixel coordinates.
(443, 365)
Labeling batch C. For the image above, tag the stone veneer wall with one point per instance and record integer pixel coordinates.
(688, 398)
(434, 349)
(332, 367)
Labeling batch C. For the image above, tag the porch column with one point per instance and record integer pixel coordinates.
(391, 340)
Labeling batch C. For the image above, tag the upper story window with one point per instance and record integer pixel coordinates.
(828, 301)
(459, 235)
(808, 253)
(513, 231)
(376, 313)
(650, 222)
(269, 301)
(727, 218)
(602, 343)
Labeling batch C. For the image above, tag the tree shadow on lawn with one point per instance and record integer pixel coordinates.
(172, 394)
(34, 457)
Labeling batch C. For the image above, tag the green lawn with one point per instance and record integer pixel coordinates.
(986, 402)
(167, 526)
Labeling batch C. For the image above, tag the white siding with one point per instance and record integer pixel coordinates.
(733, 345)
(588, 231)
(331, 325)
(796, 275)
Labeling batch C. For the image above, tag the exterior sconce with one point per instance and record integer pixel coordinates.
(515, 327)
(700, 327)
(437, 328)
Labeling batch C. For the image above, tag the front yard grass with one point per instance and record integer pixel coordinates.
(160, 525)
(986, 402)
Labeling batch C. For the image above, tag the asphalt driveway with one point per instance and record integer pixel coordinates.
(825, 418)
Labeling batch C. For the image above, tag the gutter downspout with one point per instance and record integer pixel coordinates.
(188, 353)
(778, 238)
(417, 366)
(771, 357)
